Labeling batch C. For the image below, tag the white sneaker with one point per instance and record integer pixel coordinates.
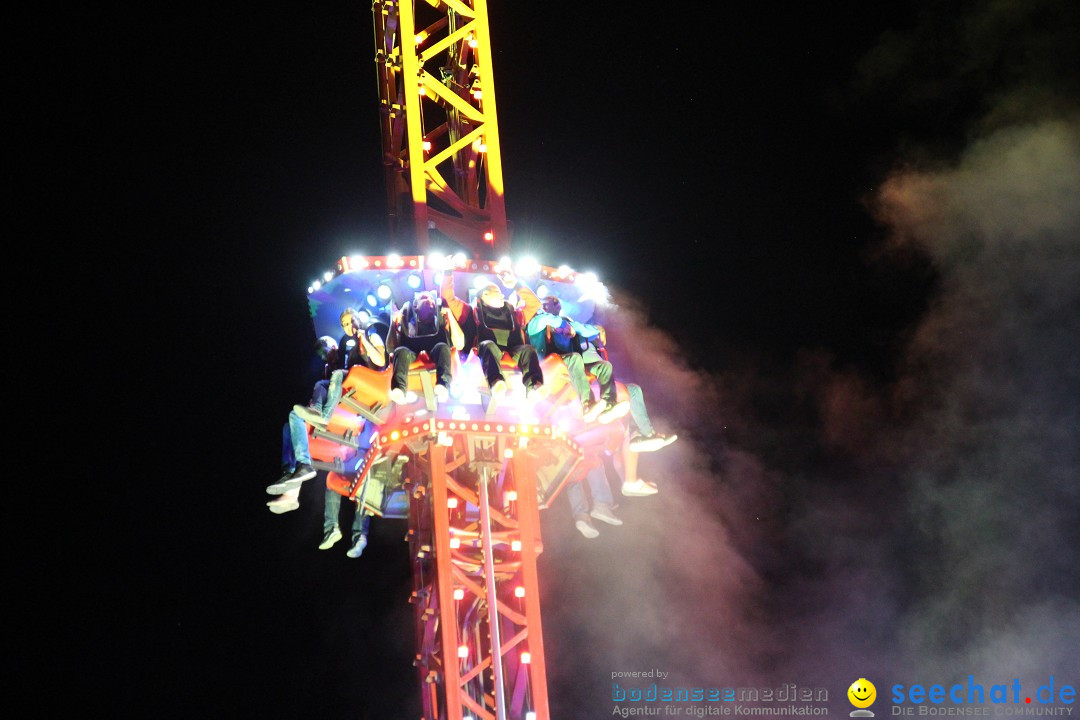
(442, 393)
(330, 537)
(284, 503)
(398, 396)
(585, 527)
(613, 412)
(358, 547)
(591, 411)
(603, 512)
(638, 488)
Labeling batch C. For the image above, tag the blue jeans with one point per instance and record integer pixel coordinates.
(598, 488)
(638, 412)
(326, 397)
(331, 509)
(297, 441)
(318, 395)
(294, 442)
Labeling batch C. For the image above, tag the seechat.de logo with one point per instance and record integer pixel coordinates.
(862, 694)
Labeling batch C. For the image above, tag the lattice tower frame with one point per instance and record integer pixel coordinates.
(440, 136)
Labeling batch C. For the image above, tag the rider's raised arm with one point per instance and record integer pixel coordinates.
(530, 303)
(395, 330)
(375, 353)
(456, 305)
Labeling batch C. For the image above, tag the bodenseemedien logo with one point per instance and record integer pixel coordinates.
(862, 694)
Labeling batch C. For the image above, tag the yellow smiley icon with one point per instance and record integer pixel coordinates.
(862, 693)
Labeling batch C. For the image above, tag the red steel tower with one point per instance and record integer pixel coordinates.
(470, 474)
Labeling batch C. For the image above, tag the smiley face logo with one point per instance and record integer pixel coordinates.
(862, 693)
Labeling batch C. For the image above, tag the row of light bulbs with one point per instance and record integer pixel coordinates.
(525, 267)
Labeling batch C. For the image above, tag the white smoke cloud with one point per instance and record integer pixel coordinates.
(991, 472)
(933, 530)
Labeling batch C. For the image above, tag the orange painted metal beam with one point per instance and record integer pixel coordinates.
(529, 526)
(448, 625)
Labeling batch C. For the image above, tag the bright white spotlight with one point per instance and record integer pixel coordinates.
(541, 291)
(356, 262)
(372, 300)
(460, 260)
(316, 284)
(394, 261)
(503, 264)
(435, 261)
(414, 281)
(364, 315)
(480, 282)
(528, 266)
(586, 279)
(385, 291)
(310, 289)
(565, 270)
(328, 276)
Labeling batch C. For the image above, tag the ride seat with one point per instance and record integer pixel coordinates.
(366, 393)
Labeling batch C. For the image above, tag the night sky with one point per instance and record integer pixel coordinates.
(845, 240)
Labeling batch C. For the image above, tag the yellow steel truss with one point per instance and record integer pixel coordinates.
(439, 130)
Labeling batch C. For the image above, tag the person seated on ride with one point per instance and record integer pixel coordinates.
(387, 473)
(421, 327)
(599, 501)
(500, 327)
(295, 456)
(577, 344)
(355, 348)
